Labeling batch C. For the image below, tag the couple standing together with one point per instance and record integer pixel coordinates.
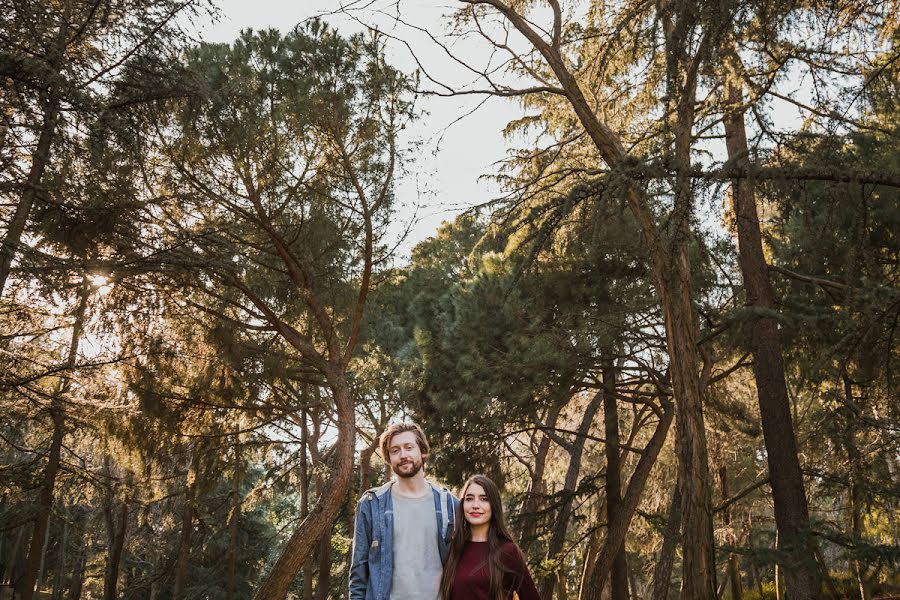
(414, 540)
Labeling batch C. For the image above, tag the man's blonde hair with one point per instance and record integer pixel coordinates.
(403, 427)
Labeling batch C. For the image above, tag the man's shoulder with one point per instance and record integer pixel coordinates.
(441, 489)
(376, 492)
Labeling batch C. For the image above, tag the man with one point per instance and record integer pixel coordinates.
(403, 528)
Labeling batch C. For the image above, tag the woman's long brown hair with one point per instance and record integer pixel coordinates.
(498, 534)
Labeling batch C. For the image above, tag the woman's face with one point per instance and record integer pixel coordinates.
(476, 506)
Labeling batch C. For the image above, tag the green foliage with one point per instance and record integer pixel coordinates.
(178, 179)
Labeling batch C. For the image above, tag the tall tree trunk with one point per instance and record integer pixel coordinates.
(116, 529)
(662, 572)
(59, 577)
(536, 487)
(44, 547)
(187, 527)
(779, 573)
(40, 159)
(233, 519)
(15, 557)
(591, 552)
(671, 274)
(26, 585)
(562, 591)
(77, 581)
(323, 584)
(304, 503)
(854, 492)
(322, 553)
(618, 527)
(734, 572)
(698, 580)
(318, 522)
(785, 475)
(618, 579)
(564, 514)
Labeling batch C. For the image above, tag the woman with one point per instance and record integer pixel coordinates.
(484, 562)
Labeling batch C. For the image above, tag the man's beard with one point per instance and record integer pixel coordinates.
(408, 473)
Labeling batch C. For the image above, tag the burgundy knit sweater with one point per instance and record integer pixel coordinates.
(472, 581)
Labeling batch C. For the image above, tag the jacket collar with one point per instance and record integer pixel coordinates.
(383, 489)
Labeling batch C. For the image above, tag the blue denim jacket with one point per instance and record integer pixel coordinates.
(372, 562)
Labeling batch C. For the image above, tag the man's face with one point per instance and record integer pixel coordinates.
(404, 455)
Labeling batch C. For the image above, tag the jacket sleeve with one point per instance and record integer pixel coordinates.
(359, 559)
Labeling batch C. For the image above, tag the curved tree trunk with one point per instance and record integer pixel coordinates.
(314, 527)
(788, 492)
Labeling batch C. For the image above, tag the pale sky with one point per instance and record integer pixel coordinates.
(461, 137)
(458, 147)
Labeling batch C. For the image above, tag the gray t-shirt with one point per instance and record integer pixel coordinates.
(417, 560)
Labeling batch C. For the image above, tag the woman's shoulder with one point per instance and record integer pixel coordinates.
(511, 552)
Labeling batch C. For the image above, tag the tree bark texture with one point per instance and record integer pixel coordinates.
(734, 571)
(662, 572)
(619, 577)
(117, 525)
(785, 475)
(187, 528)
(323, 583)
(59, 577)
